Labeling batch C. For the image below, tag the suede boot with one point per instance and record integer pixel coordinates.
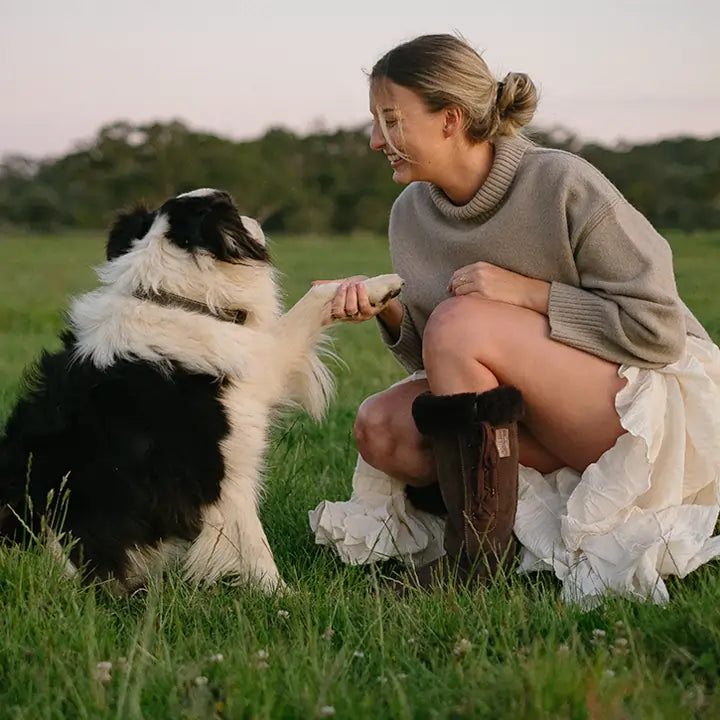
(475, 442)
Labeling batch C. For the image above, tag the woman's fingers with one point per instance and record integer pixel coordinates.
(463, 287)
(338, 304)
(351, 301)
(366, 309)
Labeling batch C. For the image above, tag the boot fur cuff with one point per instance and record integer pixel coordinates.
(450, 414)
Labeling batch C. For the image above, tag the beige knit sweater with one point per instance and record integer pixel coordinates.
(550, 215)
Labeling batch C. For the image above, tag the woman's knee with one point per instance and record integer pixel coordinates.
(373, 430)
(457, 328)
(385, 432)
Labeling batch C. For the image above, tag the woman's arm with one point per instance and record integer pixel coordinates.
(391, 318)
(626, 308)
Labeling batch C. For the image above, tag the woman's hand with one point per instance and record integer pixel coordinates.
(496, 283)
(351, 303)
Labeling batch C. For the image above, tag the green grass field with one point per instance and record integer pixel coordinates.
(337, 645)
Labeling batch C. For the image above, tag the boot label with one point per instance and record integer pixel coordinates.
(502, 442)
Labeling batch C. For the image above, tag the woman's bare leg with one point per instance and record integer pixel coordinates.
(388, 440)
(472, 345)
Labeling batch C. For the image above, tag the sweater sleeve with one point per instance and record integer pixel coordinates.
(408, 346)
(626, 308)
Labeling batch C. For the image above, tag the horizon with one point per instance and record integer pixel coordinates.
(626, 73)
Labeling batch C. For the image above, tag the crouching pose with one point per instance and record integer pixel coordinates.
(141, 441)
(561, 393)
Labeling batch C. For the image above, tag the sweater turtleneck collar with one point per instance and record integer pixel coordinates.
(508, 153)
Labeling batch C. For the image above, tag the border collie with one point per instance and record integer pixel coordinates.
(144, 436)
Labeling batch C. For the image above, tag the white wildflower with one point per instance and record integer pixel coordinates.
(462, 648)
(261, 659)
(102, 672)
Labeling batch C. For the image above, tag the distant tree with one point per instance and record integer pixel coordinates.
(324, 181)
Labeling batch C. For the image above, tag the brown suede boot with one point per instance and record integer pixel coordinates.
(475, 442)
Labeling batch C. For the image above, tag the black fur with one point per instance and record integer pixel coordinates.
(129, 225)
(139, 448)
(428, 498)
(211, 223)
(451, 414)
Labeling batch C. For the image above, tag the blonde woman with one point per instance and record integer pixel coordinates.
(552, 356)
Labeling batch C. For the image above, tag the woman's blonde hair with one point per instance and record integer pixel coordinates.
(446, 71)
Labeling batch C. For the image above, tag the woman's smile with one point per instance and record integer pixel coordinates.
(394, 159)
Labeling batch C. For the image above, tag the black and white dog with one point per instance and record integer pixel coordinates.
(145, 434)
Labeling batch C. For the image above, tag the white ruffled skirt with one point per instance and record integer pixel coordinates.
(646, 509)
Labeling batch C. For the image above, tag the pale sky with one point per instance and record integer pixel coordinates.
(617, 69)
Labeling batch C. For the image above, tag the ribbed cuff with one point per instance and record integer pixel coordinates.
(408, 347)
(578, 318)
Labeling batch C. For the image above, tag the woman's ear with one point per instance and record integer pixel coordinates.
(453, 121)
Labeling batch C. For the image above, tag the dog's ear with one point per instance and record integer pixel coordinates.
(129, 225)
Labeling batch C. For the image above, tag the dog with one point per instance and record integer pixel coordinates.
(142, 439)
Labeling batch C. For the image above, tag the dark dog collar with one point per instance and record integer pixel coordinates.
(168, 299)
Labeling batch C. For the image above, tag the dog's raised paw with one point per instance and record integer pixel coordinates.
(383, 288)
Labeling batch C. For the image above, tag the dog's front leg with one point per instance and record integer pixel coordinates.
(313, 307)
(232, 546)
(306, 378)
(232, 540)
(301, 375)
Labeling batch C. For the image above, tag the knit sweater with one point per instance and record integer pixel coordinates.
(550, 215)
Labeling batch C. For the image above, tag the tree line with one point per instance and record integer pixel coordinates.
(322, 182)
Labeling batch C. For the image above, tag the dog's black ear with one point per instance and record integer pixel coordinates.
(129, 225)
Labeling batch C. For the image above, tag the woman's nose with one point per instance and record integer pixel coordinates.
(377, 140)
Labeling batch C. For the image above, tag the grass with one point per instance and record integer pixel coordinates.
(337, 643)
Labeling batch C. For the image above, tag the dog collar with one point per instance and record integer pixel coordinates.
(168, 299)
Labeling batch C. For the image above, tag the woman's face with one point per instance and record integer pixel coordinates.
(413, 130)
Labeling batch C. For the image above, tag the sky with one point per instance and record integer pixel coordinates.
(617, 70)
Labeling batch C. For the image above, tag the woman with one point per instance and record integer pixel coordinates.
(543, 310)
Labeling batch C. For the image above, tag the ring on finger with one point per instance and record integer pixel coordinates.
(461, 281)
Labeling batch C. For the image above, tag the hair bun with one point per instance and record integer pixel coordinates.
(517, 100)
